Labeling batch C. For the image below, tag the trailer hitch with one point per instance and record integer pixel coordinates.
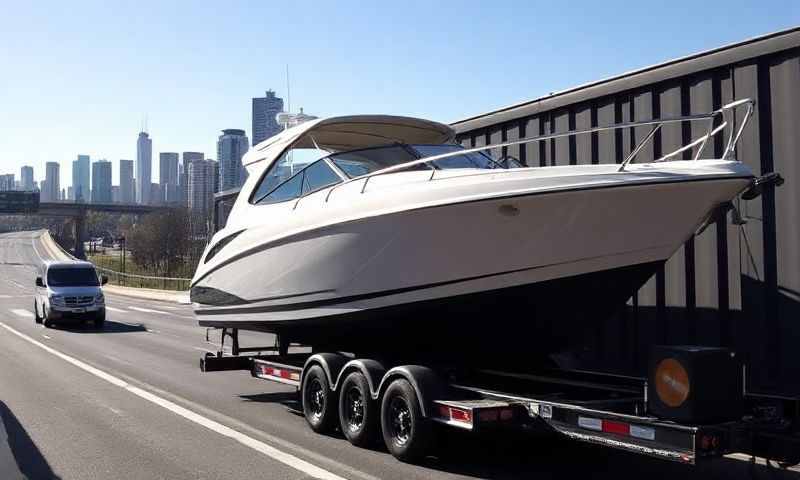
(757, 186)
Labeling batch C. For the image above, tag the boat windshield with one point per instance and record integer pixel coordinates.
(356, 163)
(467, 160)
(362, 162)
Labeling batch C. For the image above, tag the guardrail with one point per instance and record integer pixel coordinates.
(145, 281)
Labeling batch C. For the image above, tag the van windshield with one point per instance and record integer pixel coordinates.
(72, 277)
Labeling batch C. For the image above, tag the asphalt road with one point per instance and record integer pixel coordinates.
(129, 401)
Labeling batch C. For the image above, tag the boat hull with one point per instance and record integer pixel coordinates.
(538, 267)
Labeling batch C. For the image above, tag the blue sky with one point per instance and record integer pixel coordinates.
(79, 77)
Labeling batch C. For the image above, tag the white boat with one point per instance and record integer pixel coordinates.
(397, 239)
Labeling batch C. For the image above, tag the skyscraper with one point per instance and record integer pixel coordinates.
(101, 181)
(168, 177)
(202, 185)
(115, 194)
(144, 163)
(80, 178)
(52, 190)
(7, 182)
(231, 145)
(264, 111)
(26, 178)
(126, 185)
(183, 176)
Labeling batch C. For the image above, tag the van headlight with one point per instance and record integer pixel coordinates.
(57, 300)
(99, 298)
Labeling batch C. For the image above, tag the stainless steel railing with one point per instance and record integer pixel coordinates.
(726, 113)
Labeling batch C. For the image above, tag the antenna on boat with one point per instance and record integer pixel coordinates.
(288, 92)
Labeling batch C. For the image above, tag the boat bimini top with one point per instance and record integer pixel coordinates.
(337, 134)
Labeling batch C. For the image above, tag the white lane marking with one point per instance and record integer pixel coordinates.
(22, 312)
(148, 310)
(113, 309)
(261, 447)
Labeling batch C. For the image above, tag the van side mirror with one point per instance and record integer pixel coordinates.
(39, 282)
(103, 279)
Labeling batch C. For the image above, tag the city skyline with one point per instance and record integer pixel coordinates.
(94, 94)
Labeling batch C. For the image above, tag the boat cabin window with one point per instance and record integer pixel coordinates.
(319, 175)
(288, 190)
(291, 162)
(361, 162)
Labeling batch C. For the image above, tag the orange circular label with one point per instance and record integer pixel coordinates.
(672, 382)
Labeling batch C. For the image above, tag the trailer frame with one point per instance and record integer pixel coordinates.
(590, 407)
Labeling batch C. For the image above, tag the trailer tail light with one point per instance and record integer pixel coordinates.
(617, 428)
(282, 373)
(456, 414)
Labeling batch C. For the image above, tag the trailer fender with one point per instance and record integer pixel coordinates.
(426, 383)
(331, 363)
(372, 369)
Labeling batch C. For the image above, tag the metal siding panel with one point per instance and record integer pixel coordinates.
(561, 122)
(512, 133)
(625, 105)
(751, 337)
(670, 103)
(495, 137)
(675, 325)
(583, 143)
(479, 139)
(705, 245)
(734, 245)
(532, 128)
(605, 140)
(784, 82)
(643, 110)
(546, 149)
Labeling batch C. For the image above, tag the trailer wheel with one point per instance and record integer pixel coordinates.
(406, 433)
(357, 412)
(318, 406)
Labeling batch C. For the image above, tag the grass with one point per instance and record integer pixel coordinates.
(113, 261)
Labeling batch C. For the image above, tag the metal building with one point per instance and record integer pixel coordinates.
(732, 285)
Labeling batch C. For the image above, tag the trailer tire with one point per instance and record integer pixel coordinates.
(407, 434)
(318, 402)
(357, 411)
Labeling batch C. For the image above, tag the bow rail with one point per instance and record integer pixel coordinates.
(725, 113)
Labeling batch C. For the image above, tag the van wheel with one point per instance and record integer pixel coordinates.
(318, 405)
(408, 436)
(36, 317)
(358, 414)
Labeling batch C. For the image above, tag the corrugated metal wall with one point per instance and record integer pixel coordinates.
(732, 285)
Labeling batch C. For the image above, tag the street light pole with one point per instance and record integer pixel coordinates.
(122, 245)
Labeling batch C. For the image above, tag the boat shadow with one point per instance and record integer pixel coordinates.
(19, 456)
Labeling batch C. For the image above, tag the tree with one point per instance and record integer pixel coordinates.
(160, 241)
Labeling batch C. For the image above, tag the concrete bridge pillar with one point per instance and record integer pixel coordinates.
(79, 222)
